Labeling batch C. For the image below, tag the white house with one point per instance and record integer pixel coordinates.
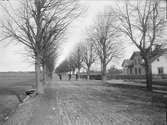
(135, 65)
(159, 64)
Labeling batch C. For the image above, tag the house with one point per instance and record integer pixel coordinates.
(135, 65)
(159, 63)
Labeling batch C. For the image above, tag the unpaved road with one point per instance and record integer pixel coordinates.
(92, 103)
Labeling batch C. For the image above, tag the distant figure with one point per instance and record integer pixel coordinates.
(69, 76)
(76, 76)
(60, 76)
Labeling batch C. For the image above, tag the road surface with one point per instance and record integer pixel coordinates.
(92, 103)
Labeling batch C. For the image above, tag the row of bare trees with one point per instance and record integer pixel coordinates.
(105, 38)
(100, 45)
(141, 22)
(40, 25)
(82, 57)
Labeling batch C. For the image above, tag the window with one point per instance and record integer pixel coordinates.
(130, 70)
(136, 71)
(160, 70)
(135, 61)
(139, 61)
(140, 71)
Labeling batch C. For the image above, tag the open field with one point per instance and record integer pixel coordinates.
(13, 78)
(12, 84)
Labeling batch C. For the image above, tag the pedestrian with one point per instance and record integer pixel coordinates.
(69, 76)
(76, 76)
(60, 76)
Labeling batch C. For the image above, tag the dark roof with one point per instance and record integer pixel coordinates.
(126, 63)
(155, 54)
(134, 54)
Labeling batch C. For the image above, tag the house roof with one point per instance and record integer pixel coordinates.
(134, 54)
(155, 54)
(126, 63)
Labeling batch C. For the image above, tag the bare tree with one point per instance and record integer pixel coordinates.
(48, 65)
(38, 25)
(68, 65)
(105, 40)
(72, 65)
(143, 23)
(64, 67)
(77, 57)
(49, 54)
(89, 56)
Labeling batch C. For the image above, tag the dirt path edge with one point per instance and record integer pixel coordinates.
(23, 112)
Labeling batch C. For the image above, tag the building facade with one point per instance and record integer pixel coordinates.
(159, 65)
(135, 65)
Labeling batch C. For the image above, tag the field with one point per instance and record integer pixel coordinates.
(12, 84)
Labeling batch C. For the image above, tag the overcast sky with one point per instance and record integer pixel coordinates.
(12, 56)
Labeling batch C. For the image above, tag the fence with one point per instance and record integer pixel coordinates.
(92, 76)
(131, 77)
(128, 77)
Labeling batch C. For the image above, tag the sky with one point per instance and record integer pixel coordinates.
(12, 56)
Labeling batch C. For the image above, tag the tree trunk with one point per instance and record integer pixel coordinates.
(47, 74)
(103, 72)
(51, 75)
(44, 74)
(88, 73)
(39, 85)
(73, 70)
(79, 73)
(148, 71)
(104, 60)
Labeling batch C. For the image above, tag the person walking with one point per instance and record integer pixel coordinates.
(76, 76)
(69, 76)
(60, 76)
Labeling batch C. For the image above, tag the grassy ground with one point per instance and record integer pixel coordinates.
(12, 84)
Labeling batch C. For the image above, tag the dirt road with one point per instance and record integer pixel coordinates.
(92, 103)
